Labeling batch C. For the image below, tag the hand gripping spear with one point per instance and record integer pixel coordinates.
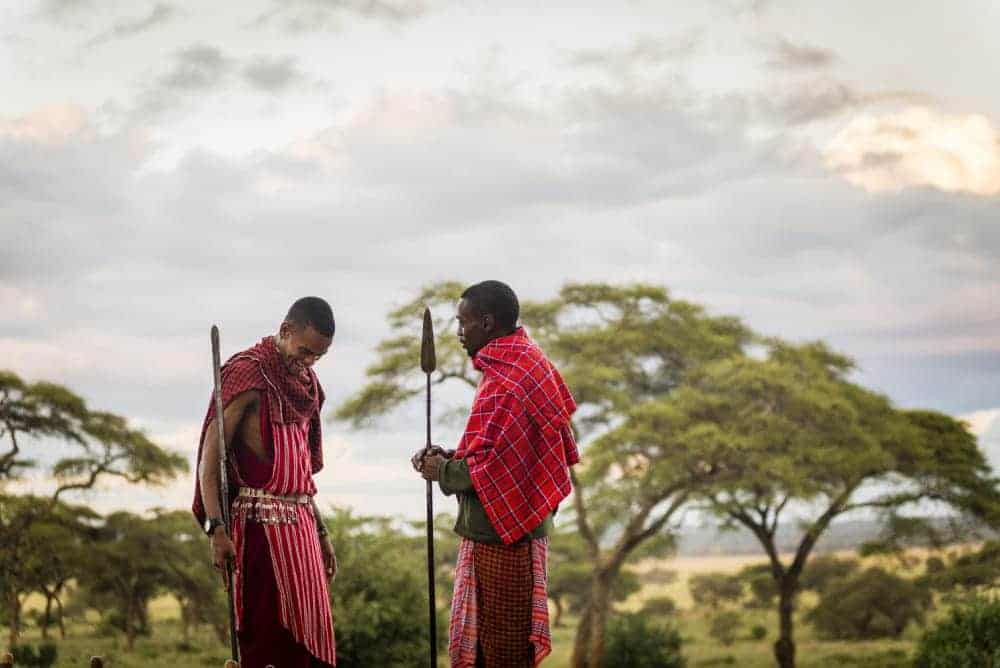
(224, 492)
(428, 361)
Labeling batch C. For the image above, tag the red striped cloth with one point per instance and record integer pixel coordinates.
(290, 399)
(518, 442)
(464, 630)
(294, 547)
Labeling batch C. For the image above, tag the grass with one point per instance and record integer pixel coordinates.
(166, 647)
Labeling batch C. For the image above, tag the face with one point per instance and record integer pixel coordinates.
(301, 347)
(474, 330)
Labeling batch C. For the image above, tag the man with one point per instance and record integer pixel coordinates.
(510, 472)
(280, 548)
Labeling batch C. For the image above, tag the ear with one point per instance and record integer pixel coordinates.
(285, 330)
(489, 323)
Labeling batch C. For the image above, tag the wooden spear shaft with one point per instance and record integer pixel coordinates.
(428, 362)
(224, 489)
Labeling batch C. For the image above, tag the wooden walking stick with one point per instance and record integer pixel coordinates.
(428, 362)
(224, 492)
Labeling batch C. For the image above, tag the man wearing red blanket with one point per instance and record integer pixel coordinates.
(281, 552)
(510, 472)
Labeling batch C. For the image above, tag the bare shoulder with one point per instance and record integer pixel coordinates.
(244, 402)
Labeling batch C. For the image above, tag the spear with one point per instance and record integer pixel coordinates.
(428, 362)
(224, 492)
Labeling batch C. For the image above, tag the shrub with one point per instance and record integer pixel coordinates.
(821, 571)
(758, 632)
(725, 626)
(634, 642)
(713, 589)
(871, 604)
(42, 657)
(660, 606)
(968, 638)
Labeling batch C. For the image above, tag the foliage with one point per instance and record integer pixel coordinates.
(871, 604)
(713, 589)
(968, 638)
(760, 581)
(758, 632)
(43, 656)
(659, 606)
(725, 626)
(634, 642)
(971, 572)
(380, 593)
(823, 570)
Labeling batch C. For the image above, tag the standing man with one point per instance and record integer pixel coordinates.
(280, 548)
(510, 472)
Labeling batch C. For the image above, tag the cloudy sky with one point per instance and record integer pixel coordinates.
(823, 170)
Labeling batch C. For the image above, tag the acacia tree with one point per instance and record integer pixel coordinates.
(800, 442)
(615, 346)
(97, 445)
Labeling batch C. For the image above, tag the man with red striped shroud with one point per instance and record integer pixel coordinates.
(280, 549)
(510, 472)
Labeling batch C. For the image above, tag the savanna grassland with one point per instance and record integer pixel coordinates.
(167, 647)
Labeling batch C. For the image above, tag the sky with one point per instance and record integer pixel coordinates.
(822, 170)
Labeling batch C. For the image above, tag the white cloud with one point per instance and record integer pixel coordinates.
(919, 147)
(53, 124)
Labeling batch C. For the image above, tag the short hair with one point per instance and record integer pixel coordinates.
(495, 298)
(312, 312)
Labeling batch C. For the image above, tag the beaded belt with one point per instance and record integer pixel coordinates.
(267, 508)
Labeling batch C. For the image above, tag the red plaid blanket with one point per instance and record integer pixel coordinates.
(518, 442)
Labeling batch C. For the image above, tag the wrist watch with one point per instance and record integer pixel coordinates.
(213, 523)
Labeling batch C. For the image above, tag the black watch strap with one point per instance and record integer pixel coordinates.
(213, 523)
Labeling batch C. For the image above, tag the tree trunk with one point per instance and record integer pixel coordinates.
(588, 647)
(582, 640)
(601, 597)
(61, 618)
(14, 601)
(557, 622)
(47, 619)
(784, 648)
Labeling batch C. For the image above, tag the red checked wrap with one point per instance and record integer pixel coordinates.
(518, 443)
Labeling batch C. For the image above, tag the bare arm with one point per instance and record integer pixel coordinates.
(208, 468)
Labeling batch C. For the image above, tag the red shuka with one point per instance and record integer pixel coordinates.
(295, 441)
(518, 443)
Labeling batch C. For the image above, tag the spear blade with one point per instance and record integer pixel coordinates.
(428, 358)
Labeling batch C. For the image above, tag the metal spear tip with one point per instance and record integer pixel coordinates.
(428, 359)
(215, 335)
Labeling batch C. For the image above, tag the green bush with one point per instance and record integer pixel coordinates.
(725, 626)
(968, 638)
(758, 632)
(42, 657)
(868, 605)
(660, 606)
(634, 642)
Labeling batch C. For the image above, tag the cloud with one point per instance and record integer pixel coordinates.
(272, 74)
(54, 124)
(195, 68)
(644, 51)
(160, 14)
(300, 16)
(918, 147)
(788, 55)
